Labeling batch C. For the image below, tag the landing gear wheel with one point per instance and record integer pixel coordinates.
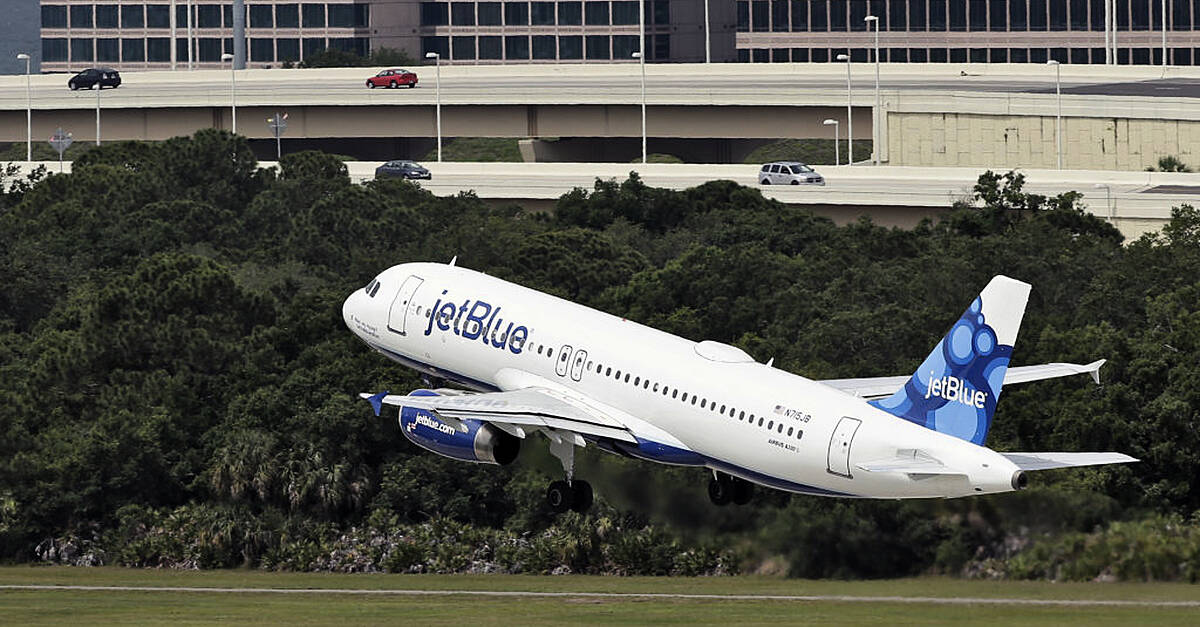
(581, 499)
(743, 491)
(720, 490)
(559, 496)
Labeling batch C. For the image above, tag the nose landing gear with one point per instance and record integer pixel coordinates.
(724, 489)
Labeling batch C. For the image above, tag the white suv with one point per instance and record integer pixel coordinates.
(789, 173)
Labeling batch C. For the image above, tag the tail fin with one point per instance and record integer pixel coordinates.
(956, 388)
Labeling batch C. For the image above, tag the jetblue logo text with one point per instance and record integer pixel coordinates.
(955, 390)
(478, 320)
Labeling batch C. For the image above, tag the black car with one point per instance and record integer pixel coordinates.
(403, 169)
(97, 76)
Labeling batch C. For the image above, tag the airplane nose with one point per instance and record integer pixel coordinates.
(347, 309)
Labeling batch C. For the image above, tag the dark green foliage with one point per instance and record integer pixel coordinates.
(177, 387)
(810, 151)
(337, 58)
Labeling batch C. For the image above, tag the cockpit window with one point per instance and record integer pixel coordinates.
(370, 285)
(375, 290)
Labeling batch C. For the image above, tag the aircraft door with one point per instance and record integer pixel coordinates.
(839, 446)
(564, 360)
(403, 304)
(577, 364)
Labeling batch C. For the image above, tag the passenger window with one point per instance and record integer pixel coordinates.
(589, 366)
(608, 372)
(684, 398)
(790, 429)
(655, 387)
(618, 375)
(799, 434)
(722, 409)
(539, 349)
(549, 352)
(693, 399)
(637, 381)
(770, 425)
(646, 385)
(702, 402)
(674, 393)
(760, 421)
(766, 168)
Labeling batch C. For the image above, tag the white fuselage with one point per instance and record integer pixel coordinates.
(740, 417)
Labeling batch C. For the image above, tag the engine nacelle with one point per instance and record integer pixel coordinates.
(481, 442)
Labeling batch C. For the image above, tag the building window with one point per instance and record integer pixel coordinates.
(543, 15)
(661, 47)
(958, 16)
(1016, 15)
(262, 49)
(209, 16)
(571, 47)
(488, 15)
(623, 46)
(624, 13)
(133, 51)
(596, 13)
(779, 16)
(341, 16)
(464, 48)
(287, 16)
(858, 10)
(491, 47)
(54, 49)
(569, 14)
(435, 14)
(1037, 14)
(314, 14)
(158, 49)
(743, 15)
(916, 15)
(81, 17)
(820, 17)
(837, 15)
(210, 49)
(133, 16)
(978, 14)
(597, 47)
(544, 47)
(81, 49)
(313, 46)
(108, 50)
(287, 49)
(158, 16)
(106, 16)
(462, 13)
(759, 16)
(54, 16)
(362, 15)
(439, 44)
(516, 14)
(1058, 15)
(262, 16)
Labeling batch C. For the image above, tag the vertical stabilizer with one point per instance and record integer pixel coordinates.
(956, 388)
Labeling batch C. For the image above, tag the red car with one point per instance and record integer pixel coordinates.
(392, 78)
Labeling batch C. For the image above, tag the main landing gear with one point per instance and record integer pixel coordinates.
(724, 489)
(572, 494)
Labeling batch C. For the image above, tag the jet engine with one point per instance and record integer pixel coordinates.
(479, 442)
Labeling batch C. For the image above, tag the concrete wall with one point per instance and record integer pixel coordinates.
(20, 31)
(1093, 143)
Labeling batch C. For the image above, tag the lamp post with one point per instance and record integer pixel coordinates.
(99, 87)
(707, 37)
(1058, 116)
(28, 110)
(876, 119)
(1164, 30)
(232, 89)
(437, 90)
(1107, 199)
(849, 112)
(642, 62)
(837, 158)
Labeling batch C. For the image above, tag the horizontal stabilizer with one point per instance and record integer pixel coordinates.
(911, 462)
(1046, 461)
(879, 387)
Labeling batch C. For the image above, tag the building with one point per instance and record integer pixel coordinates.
(154, 34)
(135, 35)
(19, 35)
(961, 31)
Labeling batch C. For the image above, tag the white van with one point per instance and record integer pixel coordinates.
(789, 173)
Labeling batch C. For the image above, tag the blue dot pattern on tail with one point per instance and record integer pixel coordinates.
(955, 389)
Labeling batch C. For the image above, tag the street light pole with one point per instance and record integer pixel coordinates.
(1108, 32)
(1058, 116)
(232, 89)
(877, 118)
(28, 110)
(1107, 199)
(837, 158)
(437, 90)
(849, 112)
(707, 36)
(638, 56)
(1164, 31)
(99, 86)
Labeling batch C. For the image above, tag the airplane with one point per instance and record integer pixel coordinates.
(526, 362)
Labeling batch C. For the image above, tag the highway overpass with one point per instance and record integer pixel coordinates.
(998, 116)
(1135, 202)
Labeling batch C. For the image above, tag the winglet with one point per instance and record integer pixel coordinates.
(376, 400)
(1094, 369)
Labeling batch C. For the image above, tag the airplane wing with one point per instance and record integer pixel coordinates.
(1046, 461)
(879, 387)
(513, 411)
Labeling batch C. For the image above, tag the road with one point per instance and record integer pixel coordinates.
(732, 84)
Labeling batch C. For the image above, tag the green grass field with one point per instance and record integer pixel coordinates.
(109, 607)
